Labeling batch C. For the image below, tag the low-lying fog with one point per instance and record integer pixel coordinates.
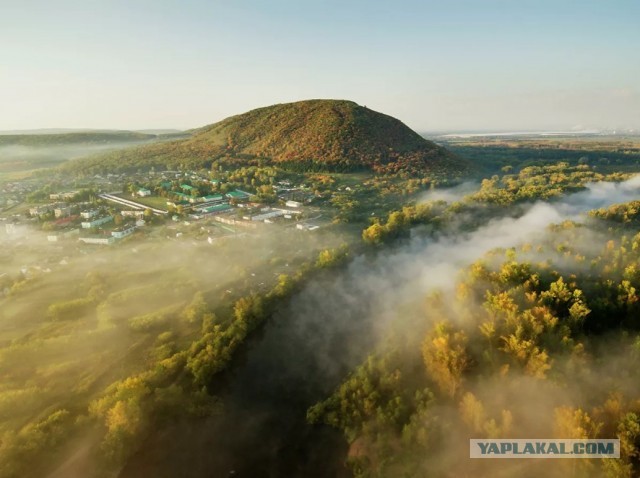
(328, 328)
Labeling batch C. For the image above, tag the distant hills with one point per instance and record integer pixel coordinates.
(313, 135)
(28, 151)
(71, 137)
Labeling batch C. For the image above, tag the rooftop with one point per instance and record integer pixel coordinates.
(217, 208)
(237, 194)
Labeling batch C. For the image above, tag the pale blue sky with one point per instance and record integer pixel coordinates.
(436, 65)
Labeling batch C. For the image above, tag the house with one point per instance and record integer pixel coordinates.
(235, 222)
(62, 211)
(211, 210)
(39, 210)
(185, 197)
(182, 196)
(212, 198)
(238, 194)
(64, 195)
(123, 231)
(143, 192)
(267, 216)
(132, 213)
(96, 222)
(88, 214)
(63, 234)
(103, 240)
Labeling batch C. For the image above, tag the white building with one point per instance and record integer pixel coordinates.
(89, 213)
(105, 240)
(63, 211)
(132, 213)
(38, 210)
(123, 232)
(66, 195)
(63, 234)
(267, 216)
(96, 222)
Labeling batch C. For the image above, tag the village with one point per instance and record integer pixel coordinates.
(53, 226)
(96, 214)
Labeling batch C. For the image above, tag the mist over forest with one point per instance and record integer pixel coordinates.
(227, 251)
(237, 316)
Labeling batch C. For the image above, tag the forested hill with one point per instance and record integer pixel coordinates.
(313, 135)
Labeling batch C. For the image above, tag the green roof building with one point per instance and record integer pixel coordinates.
(217, 208)
(213, 197)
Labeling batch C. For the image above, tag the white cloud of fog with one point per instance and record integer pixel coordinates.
(381, 287)
(435, 263)
(335, 322)
(452, 194)
(339, 318)
(602, 194)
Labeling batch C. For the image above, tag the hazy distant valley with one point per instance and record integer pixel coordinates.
(25, 152)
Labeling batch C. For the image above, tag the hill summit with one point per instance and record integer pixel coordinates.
(312, 135)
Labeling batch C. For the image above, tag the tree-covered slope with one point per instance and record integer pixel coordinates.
(333, 135)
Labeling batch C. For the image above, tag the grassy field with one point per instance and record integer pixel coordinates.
(158, 202)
